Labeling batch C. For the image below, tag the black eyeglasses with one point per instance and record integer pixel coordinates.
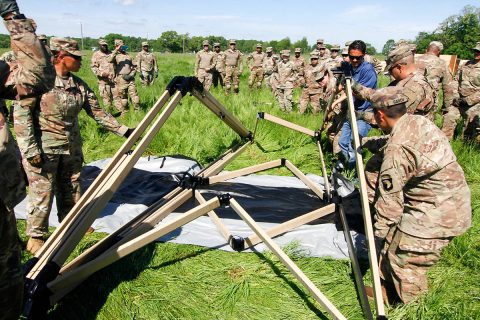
(358, 58)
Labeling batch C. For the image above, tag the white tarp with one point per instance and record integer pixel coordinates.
(268, 199)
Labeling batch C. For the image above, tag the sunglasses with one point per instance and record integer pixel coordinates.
(358, 58)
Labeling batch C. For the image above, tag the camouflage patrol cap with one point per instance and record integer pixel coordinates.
(397, 54)
(387, 97)
(286, 53)
(206, 43)
(299, 50)
(102, 42)
(320, 41)
(348, 43)
(259, 45)
(232, 42)
(437, 44)
(42, 37)
(145, 44)
(118, 42)
(321, 46)
(477, 47)
(314, 55)
(275, 57)
(269, 49)
(335, 47)
(216, 44)
(68, 45)
(345, 51)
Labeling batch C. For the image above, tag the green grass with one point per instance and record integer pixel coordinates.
(172, 281)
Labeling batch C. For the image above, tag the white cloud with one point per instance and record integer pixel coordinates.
(125, 2)
(364, 10)
(215, 17)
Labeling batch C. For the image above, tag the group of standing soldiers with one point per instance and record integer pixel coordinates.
(115, 71)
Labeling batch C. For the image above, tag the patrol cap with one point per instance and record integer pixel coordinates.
(299, 50)
(145, 44)
(275, 57)
(335, 47)
(321, 46)
(102, 42)
(216, 44)
(437, 44)
(42, 37)
(348, 43)
(286, 53)
(387, 97)
(320, 41)
(345, 51)
(269, 49)
(259, 45)
(232, 42)
(206, 43)
(118, 42)
(477, 47)
(68, 45)
(398, 54)
(314, 55)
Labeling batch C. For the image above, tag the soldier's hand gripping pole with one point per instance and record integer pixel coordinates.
(372, 252)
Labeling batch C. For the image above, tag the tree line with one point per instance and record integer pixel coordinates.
(458, 33)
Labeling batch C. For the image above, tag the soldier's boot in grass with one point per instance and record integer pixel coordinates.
(34, 244)
(236, 90)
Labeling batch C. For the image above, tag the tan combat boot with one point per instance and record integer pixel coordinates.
(34, 244)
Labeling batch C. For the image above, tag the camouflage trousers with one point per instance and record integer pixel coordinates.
(11, 275)
(146, 77)
(232, 75)
(312, 98)
(284, 97)
(218, 78)
(471, 122)
(59, 176)
(268, 81)
(106, 88)
(299, 80)
(205, 78)
(123, 89)
(333, 126)
(405, 261)
(256, 77)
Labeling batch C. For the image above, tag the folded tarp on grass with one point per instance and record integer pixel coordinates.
(269, 199)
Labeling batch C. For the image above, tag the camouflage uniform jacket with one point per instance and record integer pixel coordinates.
(258, 59)
(422, 188)
(329, 90)
(299, 64)
(373, 61)
(268, 65)
(437, 72)
(100, 65)
(32, 75)
(204, 60)
(233, 58)
(219, 61)
(122, 63)
(146, 62)
(419, 92)
(8, 57)
(286, 74)
(55, 120)
(469, 83)
(312, 86)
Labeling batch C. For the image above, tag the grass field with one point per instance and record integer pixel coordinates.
(171, 281)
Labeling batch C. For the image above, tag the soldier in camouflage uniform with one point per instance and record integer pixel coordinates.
(32, 75)
(43, 39)
(147, 64)
(321, 47)
(104, 72)
(286, 77)
(268, 65)
(233, 67)
(300, 65)
(204, 64)
(125, 69)
(421, 199)
(401, 66)
(437, 73)
(52, 146)
(256, 69)
(218, 72)
(311, 89)
(467, 100)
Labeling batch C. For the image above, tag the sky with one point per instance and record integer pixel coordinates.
(335, 21)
